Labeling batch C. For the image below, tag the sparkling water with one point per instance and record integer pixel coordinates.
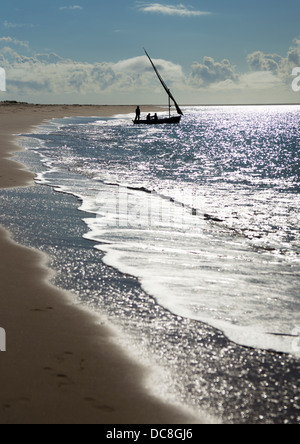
(205, 214)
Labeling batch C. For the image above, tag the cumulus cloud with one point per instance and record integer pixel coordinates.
(45, 77)
(258, 61)
(280, 66)
(140, 66)
(177, 10)
(51, 74)
(267, 81)
(267, 72)
(293, 55)
(211, 71)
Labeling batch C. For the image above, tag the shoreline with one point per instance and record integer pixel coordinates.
(61, 366)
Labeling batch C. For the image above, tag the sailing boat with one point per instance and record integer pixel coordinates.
(159, 121)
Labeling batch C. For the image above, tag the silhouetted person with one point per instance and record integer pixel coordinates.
(155, 117)
(149, 117)
(138, 114)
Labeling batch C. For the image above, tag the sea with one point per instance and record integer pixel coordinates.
(186, 237)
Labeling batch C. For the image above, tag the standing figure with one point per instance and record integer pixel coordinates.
(138, 114)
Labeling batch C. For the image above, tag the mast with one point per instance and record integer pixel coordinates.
(171, 97)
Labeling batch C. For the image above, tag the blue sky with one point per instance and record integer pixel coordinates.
(220, 50)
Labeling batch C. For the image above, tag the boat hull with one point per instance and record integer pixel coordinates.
(168, 120)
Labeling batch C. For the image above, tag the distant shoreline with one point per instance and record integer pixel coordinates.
(16, 103)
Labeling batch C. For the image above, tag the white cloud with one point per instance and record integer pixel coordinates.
(71, 8)
(175, 10)
(11, 40)
(259, 61)
(140, 67)
(210, 72)
(11, 25)
(279, 66)
(51, 75)
(48, 78)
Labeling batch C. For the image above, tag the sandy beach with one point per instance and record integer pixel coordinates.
(61, 366)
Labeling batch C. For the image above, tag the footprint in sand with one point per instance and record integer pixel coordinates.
(104, 408)
(40, 310)
(64, 380)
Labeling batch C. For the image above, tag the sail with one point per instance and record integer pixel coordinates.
(165, 86)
